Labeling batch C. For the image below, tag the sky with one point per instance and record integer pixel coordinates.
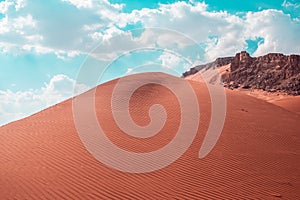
(52, 50)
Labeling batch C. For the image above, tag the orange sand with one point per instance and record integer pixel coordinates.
(288, 102)
(256, 157)
(291, 103)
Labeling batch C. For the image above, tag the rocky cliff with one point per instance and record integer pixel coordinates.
(272, 72)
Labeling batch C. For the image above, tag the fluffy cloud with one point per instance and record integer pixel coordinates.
(169, 60)
(279, 31)
(59, 27)
(81, 4)
(194, 21)
(78, 26)
(173, 61)
(15, 105)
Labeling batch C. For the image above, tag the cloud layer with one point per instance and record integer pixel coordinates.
(71, 27)
(15, 105)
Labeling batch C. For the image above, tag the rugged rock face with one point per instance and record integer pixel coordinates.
(272, 72)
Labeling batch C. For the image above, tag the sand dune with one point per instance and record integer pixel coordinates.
(256, 157)
(288, 102)
(291, 103)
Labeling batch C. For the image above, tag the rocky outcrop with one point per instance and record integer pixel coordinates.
(272, 72)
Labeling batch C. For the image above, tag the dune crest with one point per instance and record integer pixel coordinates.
(256, 157)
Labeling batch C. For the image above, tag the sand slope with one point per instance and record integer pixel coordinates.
(256, 157)
(291, 103)
(288, 102)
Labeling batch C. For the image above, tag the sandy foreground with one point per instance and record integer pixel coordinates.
(256, 157)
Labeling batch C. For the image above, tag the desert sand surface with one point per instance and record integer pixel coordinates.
(291, 103)
(288, 102)
(256, 157)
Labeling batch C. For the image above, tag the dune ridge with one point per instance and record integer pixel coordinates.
(256, 157)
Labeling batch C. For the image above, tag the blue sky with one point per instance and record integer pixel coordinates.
(45, 44)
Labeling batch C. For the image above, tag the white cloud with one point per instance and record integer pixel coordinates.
(4, 6)
(15, 105)
(292, 3)
(169, 60)
(3, 25)
(19, 4)
(80, 3)
(64, 31)
(279, 31)
(78, 26)
(129, 71)
(20, 22)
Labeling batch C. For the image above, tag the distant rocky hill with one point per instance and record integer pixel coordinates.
(272, 72)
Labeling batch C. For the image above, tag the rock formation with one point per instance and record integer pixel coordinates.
(272, 72)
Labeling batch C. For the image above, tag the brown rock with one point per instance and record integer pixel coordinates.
(271, 72)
